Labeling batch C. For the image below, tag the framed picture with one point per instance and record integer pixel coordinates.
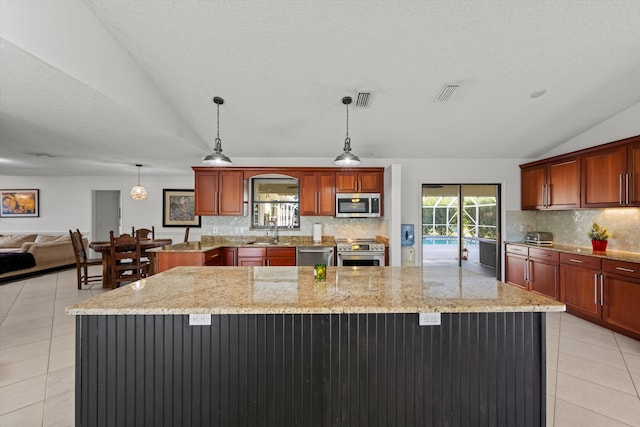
(178, 209)
(20, 203)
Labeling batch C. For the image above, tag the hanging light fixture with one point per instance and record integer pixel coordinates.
(217, 158)
(347, 158)
(138, 192)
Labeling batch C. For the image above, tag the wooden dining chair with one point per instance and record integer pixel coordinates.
(127, 264)
(144, 233)
(82, 261)
(186, 234)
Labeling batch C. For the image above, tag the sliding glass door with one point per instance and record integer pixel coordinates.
(461, 226)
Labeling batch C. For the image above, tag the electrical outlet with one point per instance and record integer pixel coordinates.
(215, 230)
(199, 319)
(429, 319)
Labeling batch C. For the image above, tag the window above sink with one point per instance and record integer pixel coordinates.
(275, 199)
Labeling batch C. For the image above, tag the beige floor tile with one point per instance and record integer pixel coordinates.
(552, 359)
(596, 372)
(59, 410)
(552, 375)
(24, 369)
(601, 337)
(632, 361)
(603, 400)
(596, 353)
(25, 351)
(60, 381)
(551, 403)
(8, 328)
(63, 342)
(570, 415)
(628, 345)
(22, 394)
(25, 417)
(62, 359)
(21, 338)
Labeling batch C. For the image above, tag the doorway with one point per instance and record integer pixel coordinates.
(105, 214)
(461, 227)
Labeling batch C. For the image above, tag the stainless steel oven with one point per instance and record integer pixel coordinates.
(359, 252)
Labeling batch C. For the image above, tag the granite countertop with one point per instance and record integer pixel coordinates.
(292, 290)
(205, 247)
(584, 250)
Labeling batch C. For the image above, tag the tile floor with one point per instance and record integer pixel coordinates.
(593, 374)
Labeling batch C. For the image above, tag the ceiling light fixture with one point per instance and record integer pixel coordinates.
(217, 158)
(347, 158)
(138, 192)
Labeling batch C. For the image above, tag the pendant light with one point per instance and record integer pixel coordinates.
(217, 158)
(138, 192)
(347, 158)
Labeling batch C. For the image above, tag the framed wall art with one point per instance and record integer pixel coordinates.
(20, 203)
(178, 208)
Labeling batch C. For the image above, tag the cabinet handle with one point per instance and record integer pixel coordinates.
(620, 187)
(627, 177)
(601, 289)
(544, 195)
(628, 270)
(576, 260)
(548, 195)
(595, 289)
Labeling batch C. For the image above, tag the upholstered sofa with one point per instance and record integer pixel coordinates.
(48, 251)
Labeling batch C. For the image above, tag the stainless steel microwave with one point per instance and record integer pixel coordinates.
(357, 205)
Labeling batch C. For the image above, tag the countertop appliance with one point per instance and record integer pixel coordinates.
(357, 205)
(540, 238)
(359, 252)
(310, 255)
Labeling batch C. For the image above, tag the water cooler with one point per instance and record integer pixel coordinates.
(407, 240)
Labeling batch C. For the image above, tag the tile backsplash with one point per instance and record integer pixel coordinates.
(338, 227)
(571, 227)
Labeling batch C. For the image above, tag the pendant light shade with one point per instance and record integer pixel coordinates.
(347, 158)
(217, 158)
(138, 192)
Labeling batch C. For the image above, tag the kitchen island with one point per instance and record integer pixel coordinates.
(283, 349)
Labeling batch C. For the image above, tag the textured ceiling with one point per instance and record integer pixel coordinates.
(105, 84)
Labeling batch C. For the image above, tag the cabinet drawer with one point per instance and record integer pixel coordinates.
(581, 261)
(515, 249)
(544, 254)
(623, 268)
(288, 252)
(252, 252)
(211, 257)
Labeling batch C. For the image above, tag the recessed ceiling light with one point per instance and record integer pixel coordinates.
(537, 93)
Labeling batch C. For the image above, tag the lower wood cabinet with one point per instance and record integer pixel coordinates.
(276, 256)
(229, 256)
(621, 294)
(580, 284)
(534, 269)
(167, 260)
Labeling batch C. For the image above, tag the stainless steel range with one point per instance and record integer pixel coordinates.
(359, 252)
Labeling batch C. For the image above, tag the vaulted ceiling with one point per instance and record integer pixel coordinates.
(94, 87)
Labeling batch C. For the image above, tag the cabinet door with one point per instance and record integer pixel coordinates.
(309, 194)
(281, 261)
(515, 270)
(206, 192)
(231, 193)
(251, 261)
(346, 182)
(533, 187)
(603, 175)
(230, 256)
(213, 258)
(633, 174)
(621, 296)
(579, 290)
(563, 184)
(359, 182)
(317, 193)
(370, 182)
(543, 277)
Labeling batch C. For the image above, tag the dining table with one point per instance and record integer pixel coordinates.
(104, 248)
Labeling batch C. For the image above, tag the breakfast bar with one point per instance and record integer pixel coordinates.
(272, 347)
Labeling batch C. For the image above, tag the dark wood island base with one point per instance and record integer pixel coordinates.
(475, 369)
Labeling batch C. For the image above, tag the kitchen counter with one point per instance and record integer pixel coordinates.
(208, 246)
(292, 290)
(584, 250)
(270, 346)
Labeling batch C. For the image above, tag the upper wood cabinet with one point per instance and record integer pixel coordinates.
(599, 177)
(317, 193)
(218, 191)
(360, 181)
(552, 185)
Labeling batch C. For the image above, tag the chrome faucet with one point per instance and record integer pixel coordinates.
(272, 231)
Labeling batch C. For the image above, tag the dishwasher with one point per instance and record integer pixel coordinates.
(310, 255)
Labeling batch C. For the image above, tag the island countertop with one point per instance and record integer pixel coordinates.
(292, 290)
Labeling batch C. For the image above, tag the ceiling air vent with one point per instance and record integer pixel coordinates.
(447, 92)
(363, 99)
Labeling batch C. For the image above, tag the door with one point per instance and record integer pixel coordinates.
(105, 215)
(460, 226)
